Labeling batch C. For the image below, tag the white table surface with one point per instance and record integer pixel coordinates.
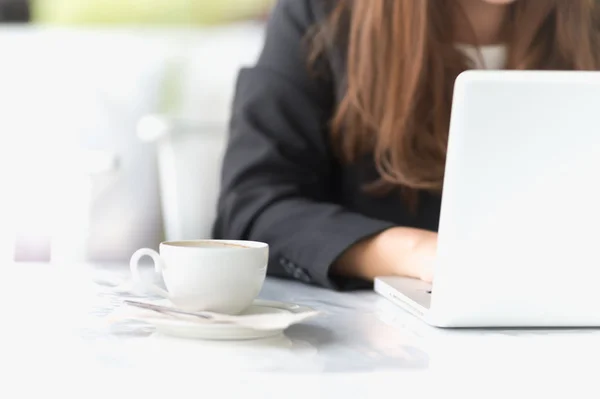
(54, 331)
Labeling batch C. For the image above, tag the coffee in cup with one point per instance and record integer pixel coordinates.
(223, 276)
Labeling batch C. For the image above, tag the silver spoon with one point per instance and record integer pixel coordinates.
(270, 321)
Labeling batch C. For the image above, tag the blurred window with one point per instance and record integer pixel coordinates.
(147, 12)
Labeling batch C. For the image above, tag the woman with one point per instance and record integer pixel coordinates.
(338, 138)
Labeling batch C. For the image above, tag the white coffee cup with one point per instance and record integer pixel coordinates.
(223, 276)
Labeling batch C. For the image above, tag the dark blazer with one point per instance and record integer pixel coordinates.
(14, 11)
(281, 182)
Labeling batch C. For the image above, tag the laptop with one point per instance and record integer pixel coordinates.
(519, 237)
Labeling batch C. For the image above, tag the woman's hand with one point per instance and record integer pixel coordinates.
(398, 251)
(422, 257)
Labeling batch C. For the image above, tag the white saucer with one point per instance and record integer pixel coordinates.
(186, 328)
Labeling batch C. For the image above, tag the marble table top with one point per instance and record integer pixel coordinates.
(55, 327)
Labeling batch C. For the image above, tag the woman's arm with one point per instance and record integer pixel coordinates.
(404, 251)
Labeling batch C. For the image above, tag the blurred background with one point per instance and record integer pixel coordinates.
(114, 115)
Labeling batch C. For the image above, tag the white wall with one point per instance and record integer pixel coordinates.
(64, 90)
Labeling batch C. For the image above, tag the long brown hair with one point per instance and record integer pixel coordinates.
(401, 65)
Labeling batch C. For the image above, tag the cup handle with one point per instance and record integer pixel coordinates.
(158, 267)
